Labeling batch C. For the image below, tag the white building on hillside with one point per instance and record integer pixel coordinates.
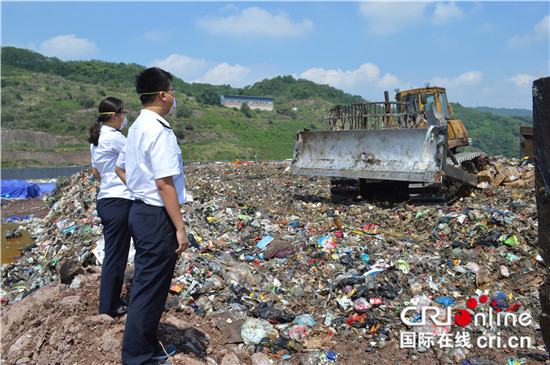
(254, 102)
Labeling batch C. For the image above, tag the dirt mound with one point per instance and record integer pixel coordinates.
(60, 325)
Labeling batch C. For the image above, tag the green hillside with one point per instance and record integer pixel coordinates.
(493, 134)
(45, 94)
(60, 98)
(506, 112)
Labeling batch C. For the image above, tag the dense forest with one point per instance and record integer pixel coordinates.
(60, 98)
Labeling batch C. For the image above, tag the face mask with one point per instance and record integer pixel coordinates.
(124, 121)
(173, 107)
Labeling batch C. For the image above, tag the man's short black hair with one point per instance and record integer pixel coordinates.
(152, 80)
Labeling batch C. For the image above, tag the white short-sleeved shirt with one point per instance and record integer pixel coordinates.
(151, 153)
(92, 151)
(104, 157)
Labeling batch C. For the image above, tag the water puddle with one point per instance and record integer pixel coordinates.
(10, 247)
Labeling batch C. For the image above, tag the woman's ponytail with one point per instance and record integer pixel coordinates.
(93, 134)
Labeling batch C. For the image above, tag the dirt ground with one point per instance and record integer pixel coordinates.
(23, 207)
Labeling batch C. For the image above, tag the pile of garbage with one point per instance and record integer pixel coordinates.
(284, 270)
(70, 229)
(500, 172)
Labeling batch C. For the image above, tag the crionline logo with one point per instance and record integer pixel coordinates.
(432, 327)
(463, 317)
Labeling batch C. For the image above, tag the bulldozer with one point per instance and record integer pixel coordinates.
(412, 144)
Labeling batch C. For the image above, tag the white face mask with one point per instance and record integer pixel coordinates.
(172, 108)
(124, 123)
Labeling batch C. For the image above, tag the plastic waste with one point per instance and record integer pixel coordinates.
(253, 330)
(298, 332)
(361, 305)
(304, 319)
(445, 301)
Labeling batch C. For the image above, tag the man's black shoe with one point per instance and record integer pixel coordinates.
(121, 311)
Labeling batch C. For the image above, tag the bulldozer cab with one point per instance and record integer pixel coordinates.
(423, 99)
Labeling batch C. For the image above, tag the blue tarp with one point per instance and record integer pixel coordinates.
(19, 189)
(16, 218)
(46, 188)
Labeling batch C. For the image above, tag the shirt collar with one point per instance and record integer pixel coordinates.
(156, 116)
(108, 128)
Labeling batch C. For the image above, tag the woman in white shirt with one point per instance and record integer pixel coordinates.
(113, 202)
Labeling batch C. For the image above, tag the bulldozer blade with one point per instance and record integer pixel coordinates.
(461, 175)
(373, 154)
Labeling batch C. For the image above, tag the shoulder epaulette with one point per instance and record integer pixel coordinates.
(164, 125)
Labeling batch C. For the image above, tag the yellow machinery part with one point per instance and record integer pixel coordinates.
(458, 136)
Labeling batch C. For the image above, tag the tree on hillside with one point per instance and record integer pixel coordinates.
(209, 97)
(245, 109)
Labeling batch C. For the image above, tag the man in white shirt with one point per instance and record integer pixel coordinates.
(151, 166)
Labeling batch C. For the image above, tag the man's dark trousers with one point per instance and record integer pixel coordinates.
(155, 241)
(114, 218)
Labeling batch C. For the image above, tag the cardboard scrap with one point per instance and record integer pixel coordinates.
(499, 173)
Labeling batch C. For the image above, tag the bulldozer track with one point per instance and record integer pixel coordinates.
(464, 156)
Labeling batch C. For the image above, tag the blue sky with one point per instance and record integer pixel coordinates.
(485, 53)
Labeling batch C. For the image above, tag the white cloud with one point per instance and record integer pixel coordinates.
(386, 18)
(156, 35)
(540, 33)
(468, 88)
(365, 80)
(444, 12)
(182, 66)
(542, 29)
(256, 22)
(389, 82)
(391, 17)
(465, 88)
(522, 81)
(68, 47)
(367, 72)
(200, 70)
(469, 78)
(224, 73)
